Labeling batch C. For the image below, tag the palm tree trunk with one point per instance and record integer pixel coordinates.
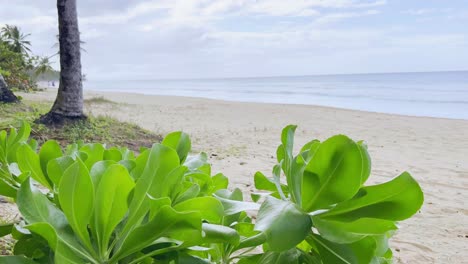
(69, 102)
(6, 96)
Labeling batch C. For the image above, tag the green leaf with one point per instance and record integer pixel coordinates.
(180, 142)
(191, 192)
(98, 170)
(6, 189)
(219, 182)
(56, 168)
(372, 211)
(283, 223)
(161, 162)
(167, 223)
(233, 207)
(95, 153)
(209, 208)
(5, 229)
(333, 175)
(46, 219)
(28, 160)
(50, 150)
(76, 196)
(290, 256)
(156, 205)
(196, 161)
(358, 252)
(111, 202)
(112, 154)
(220, 234)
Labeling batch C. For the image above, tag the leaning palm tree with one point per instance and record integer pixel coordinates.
(6, 95)
(15, 39)
(68, 105)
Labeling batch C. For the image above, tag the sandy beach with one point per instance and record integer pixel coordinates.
(241, 138)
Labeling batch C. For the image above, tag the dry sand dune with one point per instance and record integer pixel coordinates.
(241, 138)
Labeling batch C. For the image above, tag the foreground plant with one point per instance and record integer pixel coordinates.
(109, 205)
(324, 213)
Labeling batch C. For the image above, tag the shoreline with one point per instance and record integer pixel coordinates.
(94, 93)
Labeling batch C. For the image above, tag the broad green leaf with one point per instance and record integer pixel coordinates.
(140, 164)
(156, 205)
(161, 162)
(397, 199)
(191, 192)
(5, 229)
(290, 256)
(34, 248)
(94, 152)
(64, 254)
(264, 183)
(43, 217)
(112, 154)
(359, 252)
(283, 223)
(286, 158)
(28, 160)
(129, 164)
(56, 168)
(111, 202)
(50, 150)
(180, 142)
(196, 161)
(46, 231)
(167, 223)
(76, 196)
(366, 162)
(309, 149)
(233, 207)
(333, 175)
(98, 170)
(33, 144)
(15, 140)
(6, 189)
(173, 183)
(347, 232)
(372, 211)
(209, 208)
(220, 234)
(235, 195)
(220, 181)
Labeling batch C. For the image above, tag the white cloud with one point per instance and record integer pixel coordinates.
(336, 17)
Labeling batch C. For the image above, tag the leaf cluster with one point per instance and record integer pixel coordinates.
(89, 203)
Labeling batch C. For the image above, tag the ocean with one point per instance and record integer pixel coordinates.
(432, 94)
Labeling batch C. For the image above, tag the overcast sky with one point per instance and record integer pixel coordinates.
(146, 39)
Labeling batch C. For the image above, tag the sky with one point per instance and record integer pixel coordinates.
(158, 39)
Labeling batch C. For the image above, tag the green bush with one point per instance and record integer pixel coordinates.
(110, 205)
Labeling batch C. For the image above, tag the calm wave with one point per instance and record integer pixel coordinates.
(435, 94)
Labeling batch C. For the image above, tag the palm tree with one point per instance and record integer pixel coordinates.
(68, 105)
(43, 66)
(15, 39)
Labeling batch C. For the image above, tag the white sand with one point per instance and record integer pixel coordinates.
(244, 137)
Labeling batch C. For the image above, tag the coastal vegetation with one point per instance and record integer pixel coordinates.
(165, 205)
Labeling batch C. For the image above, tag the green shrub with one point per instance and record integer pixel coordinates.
(163, 205)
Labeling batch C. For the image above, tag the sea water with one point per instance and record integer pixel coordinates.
(433, 94)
